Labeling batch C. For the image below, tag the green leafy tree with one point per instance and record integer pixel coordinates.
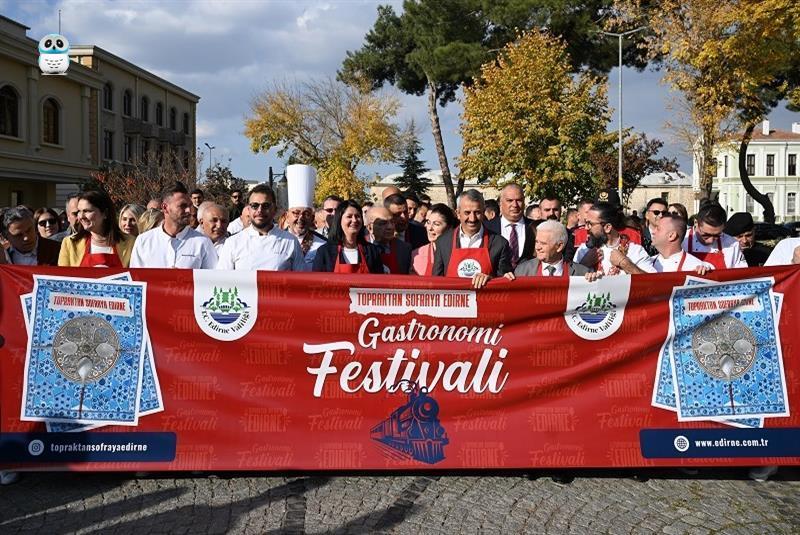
(529, 117)
(219, 182)
(413, 168)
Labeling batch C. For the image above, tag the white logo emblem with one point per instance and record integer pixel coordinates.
(468, 267)
(681, 443)
(225, 302)
(595, 310)
(35, 447)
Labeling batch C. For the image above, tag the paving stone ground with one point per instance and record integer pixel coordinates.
(660, 501)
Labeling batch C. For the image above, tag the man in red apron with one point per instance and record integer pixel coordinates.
(470, 250)
(707, 240)
(551, 239)
(395, 253)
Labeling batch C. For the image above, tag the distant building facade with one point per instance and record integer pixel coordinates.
(672, 187)
(436, 192)
(56, 130)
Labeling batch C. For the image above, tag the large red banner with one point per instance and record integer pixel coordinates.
(279, 371)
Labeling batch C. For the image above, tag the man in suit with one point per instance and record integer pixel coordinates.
(551, 239)
(471, 250)
(27, 247)
(407, 230)
(512, 225)
(395, 253)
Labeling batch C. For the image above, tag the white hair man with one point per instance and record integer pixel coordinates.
(213, 220)
(551, 239)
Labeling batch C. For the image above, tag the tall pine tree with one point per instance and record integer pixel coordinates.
(413, 168)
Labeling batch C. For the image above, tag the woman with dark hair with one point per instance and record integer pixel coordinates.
(678, 209)
(47, 223)
(98, 242)
(440, 219)
(347, 251)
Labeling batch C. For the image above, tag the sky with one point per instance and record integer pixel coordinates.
(227, 52)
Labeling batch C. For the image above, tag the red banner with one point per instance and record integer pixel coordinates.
(278, 371)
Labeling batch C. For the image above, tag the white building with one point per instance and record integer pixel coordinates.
(672, 187)
(773, 168)
(436, 191)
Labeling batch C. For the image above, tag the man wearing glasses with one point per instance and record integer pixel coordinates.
(329, 206)
(655, 209)
(604, 221)
(262, 245)
(707, 240)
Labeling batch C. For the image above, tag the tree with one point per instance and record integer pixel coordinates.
(220, 182)
(144, 178)
(329, 125)
(436, 46)
(639, 158)
(413, 168)
(529, 117)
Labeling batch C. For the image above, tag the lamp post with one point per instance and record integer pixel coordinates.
(619, 37)
(210, 148)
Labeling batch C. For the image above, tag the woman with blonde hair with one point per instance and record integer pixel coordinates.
(129, 219)
(98, 242)
(150, 219)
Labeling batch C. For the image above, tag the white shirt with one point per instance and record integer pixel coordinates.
(189, 250)
(660, 264)
(636, 254)
(350, 255)
(235, 226)
(505, 231)
(316, 243)
(557, 273)
(277, 250)
(730, 249)
(219, 243)
(470, 242)
(782, 253)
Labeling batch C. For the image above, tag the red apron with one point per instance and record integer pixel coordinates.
(361, 267)
(564, 270)
(715, 259)
(99, 259)
(467, 262)
(390, 259)
(580, 234)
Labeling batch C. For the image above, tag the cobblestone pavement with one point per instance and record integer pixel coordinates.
(663, 501)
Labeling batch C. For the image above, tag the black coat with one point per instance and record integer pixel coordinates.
(415, 235)
(530, 234)
(325, 260)
(403, 251)
(499, 253)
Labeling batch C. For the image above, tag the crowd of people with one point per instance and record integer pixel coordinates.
(401, 234)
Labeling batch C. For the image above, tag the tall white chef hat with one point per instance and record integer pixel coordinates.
(300, 183)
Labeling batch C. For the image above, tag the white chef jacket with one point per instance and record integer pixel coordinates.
(190, 249)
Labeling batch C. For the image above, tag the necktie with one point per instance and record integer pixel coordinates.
(550, 270)
(513, 241)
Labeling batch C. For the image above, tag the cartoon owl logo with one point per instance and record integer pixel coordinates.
(54, 54)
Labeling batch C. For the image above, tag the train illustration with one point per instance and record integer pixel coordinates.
(414, 429)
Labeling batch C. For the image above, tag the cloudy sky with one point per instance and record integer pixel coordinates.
(229, 51)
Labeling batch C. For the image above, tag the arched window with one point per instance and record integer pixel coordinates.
(160, 114)
(108, 97)
(144, 114)
(127, 103)
(9, 111)
(186, 123)
(51, 112)
(173, 119)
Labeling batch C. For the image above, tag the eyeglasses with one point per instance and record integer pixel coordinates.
(709, 234)
(674, 212)
(330, 210)
(658, 212)
(47, 222)
(590, 224)
(254, 206)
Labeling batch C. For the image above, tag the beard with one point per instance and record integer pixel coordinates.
(593, 242)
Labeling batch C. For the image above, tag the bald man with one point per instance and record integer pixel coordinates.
(667, 238)
(517, 229)
(395, 253)
(390, 190)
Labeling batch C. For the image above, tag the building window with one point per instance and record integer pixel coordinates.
(50, 121)
(108, 145)
(770, 165)
(725, 170)
(127, 103)
(665, 196)
(144, 111)
(185, 160)
(186, 123)
(160, 114)
(9, 112)
(108, 97)
(127, 148)
(748, 204)
(792, 167)
(160, 154)
(791, 202)
(751, 164)
(173, 119)
(145, 150)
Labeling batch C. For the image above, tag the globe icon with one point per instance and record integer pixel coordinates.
(681, 443)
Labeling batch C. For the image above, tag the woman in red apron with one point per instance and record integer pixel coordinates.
(99, 242)
(347, 251)
(440, 219)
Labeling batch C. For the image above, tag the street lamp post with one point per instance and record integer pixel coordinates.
(210, 148)
(619, 37)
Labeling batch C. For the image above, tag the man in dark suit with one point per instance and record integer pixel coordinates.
(407, 230)
(395, 253)
(741, 226)
(513, 225)
(471, 250)
(27, 247)
(551, 239)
